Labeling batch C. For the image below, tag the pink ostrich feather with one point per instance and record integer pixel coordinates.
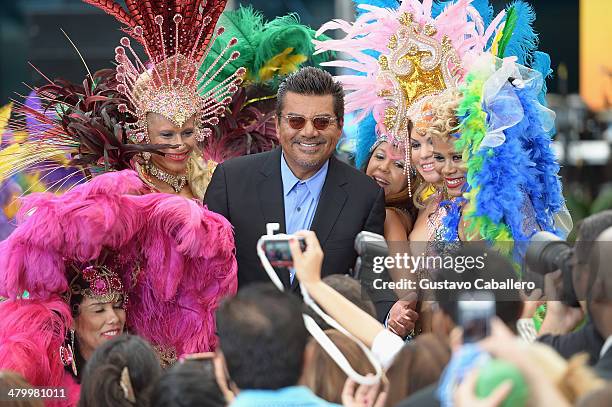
(30, 257)
(77, 225)
(190, 265)
(125, 182)
(31, 332)
(459, 21)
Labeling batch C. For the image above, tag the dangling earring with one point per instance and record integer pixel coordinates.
(74, 367)
(67, 356)
(145, 137)
(199, 135)
(408, 157)
(202, 133)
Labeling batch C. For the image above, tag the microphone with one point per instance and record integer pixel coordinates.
(368, 245)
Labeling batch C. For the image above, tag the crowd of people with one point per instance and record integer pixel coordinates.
(144, 284)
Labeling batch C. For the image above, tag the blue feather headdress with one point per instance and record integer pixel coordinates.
(506, 132)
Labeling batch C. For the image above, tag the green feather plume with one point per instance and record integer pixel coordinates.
(511, 19)
(287, 32)
(518, 36)
(244, 24)
(279, 46)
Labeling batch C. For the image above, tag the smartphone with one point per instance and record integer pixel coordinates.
(475, 316)
(278, 252)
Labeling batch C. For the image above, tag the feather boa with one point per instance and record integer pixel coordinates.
(452, 219)
(516, 180)
(542, 185)
(473, 128)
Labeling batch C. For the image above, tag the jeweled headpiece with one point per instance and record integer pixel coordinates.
(417, 68)
(404, 56)
(176, 37)
(97, 282)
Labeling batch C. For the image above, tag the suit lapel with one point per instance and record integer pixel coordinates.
(270, 191)
(332, 200)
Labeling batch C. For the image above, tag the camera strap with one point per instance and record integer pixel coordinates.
(319, 335)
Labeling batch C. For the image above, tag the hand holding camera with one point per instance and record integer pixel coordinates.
(307, 263)
(276, 247)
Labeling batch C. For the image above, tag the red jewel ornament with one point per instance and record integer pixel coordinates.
(99, 287)
(65, 355)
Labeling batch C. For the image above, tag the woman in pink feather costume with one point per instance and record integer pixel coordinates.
(159, 245)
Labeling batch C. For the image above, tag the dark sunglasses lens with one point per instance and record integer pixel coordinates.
(321, 123)
(296, 122)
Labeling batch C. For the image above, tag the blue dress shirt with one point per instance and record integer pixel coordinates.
(298, 396)
(301, 198)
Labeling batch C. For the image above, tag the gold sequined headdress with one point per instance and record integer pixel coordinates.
(417, 68)
(404, 57)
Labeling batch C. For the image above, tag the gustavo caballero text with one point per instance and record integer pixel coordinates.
(478, 284)
(24, 393)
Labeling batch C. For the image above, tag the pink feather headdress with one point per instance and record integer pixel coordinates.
(420, 57)
(174, 257)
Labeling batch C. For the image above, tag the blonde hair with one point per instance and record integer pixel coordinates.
(444, 121)
(199, 173)
(442, 124)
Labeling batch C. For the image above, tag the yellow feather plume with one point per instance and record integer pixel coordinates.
(281, 64)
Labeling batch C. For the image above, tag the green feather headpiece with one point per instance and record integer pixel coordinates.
(268, 50)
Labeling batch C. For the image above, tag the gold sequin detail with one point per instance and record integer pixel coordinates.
(383, 62)
(429, 30)
(392, 42)
(177, 104)
(390, 115)
(417, 66)
(421, 82)
(406, 19)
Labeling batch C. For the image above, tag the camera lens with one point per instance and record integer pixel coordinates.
(546, 253)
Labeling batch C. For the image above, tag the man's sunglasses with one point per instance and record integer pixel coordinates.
(298, 122)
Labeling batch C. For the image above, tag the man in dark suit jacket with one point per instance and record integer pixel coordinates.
(301, 185)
